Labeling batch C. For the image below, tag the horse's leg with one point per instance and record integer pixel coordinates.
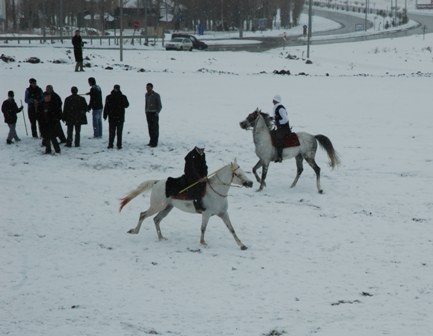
(300, 169)
(255, 168)
(316, 169)
(204, 220)
(264, 173)
(159, 217)
(143, 215)
(226, 219)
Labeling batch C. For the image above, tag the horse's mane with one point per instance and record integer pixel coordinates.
(269, 121)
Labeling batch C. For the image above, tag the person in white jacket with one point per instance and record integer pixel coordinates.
(281, 118)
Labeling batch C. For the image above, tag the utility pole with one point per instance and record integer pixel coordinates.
(61, 20)
(310, 21)
(145, 23)
(121, 30)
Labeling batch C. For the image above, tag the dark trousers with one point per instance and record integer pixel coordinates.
(153, 127)
(280, 134)
(59, 132)
(33, 118)
(70, 132)
(115, 129)
(50, 137)
(196, 191)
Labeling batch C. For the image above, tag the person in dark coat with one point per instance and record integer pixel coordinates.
(196, 170)
(10, 110)
(78, 44)
(74, 114)
(115, 105)
(49, 115)
(58, 103)
(152, 108)
(33, 97)
(95, 104)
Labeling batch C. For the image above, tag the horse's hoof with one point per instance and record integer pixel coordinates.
(132, 231)
(320, 191)
(243, 248)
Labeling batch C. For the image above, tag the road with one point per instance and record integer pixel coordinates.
(347, 22)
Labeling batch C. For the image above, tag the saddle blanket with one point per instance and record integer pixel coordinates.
(174, 185)
(291, 140)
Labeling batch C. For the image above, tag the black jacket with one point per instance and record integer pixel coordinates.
(95, 102)
(77, 42)
(74, 110)
(195, 166)
(10, 110)
(115, 105)
(49, 113)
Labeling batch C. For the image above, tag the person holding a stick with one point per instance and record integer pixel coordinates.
(195, 173)
(10, 110)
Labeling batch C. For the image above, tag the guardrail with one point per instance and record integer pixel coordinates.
(115, 40)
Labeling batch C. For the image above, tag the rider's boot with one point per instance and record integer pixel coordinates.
(198, 205)
(279, 155)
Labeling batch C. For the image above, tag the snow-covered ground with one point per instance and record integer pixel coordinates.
(357, 260)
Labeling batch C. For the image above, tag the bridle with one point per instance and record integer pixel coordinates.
(225, 183)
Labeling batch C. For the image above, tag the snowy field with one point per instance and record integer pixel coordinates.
(357, 260)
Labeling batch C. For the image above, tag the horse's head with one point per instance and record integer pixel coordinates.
(252, 118)
(239, 177)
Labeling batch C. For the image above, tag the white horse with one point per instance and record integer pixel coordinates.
(262, 123)
(214, 200)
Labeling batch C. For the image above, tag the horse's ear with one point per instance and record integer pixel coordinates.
(235, 161)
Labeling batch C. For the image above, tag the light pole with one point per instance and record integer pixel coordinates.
(366, 13)
(121, 30)
(61, 20)
(310, 13)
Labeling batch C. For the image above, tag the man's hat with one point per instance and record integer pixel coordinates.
(200, 144)
(277, 98)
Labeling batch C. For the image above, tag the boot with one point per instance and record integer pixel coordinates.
(198, 205)
(279, 155)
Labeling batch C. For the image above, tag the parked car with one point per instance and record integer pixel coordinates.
(196, 43)
(179, 43)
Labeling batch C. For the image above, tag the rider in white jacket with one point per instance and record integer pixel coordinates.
(281, 118)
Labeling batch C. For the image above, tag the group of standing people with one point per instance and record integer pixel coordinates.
(46, 111)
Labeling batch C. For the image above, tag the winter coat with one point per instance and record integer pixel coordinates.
(195, 166)
(95, 102)
(115, 105)
(153, 102)
(10, 110)
(49, 113)
(77, 42)
(74, 110)
(32, 95)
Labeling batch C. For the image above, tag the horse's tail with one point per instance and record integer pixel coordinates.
(145, 186)
(326, 144)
